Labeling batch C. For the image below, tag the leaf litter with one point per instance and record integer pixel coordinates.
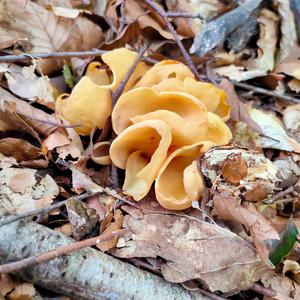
(208, 173)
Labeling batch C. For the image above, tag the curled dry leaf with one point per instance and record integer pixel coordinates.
(260, 171)
(234, 169)
(238, 109)
(115, 223)
(291, 120)
(193, 249)
(20, 149)
(20, 191)
(46, 32)
(261, 230)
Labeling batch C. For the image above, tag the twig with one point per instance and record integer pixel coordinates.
(37, 259)
(210, 295)
(50, 122)
(123, 17)
(60, 55)
(170, 27)
(119, 90)
(260, 90)
(180, 14)
(12, 218)
(279, 195)
(263, 291)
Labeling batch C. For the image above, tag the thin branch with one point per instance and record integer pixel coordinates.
(13, 218)
(123, 17)
(279, 195)
(37, 259)
(59, 55)
(263, 291)
(119, 90)
(180, 14)
(263, 91)
(50, 122)
(170, 27)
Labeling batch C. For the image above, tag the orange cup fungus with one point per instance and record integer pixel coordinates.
(164, 120)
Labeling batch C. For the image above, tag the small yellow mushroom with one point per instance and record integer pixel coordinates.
(164, 70)
(100, 153)
(184, 113)
(90, 101)
(179, 181)
(98, 73)
(141, 149)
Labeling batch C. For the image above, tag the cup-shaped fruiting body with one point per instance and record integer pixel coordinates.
(179, 181)
(100, 153)
(141, 149)
(212, 97)
(164, 70)
(184, 113)
(90, 101)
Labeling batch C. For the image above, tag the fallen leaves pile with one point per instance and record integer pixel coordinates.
(200, 167)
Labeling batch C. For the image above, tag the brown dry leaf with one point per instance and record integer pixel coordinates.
(82, 218)
(112, 226)
(16, 114)
(285, 288)
(291, 119)
(257, 193)
(137, 11)
(293, 268)
(294, 85)
(266, 43)
(288, 29)
(273, 133)
(261, 230)
(193, 249)
(20, 149)
(65, 229)
(20, 190)
(261, 171)
(234, 169)
(45, 32)
(6, 284)
(238, 109)
(22, 291)
(23, 82)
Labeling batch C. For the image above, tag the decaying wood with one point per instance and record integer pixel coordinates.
(85, 274)
(216, 31)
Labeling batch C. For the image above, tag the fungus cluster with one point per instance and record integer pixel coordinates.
(164, 120)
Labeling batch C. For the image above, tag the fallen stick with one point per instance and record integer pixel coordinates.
(84, 274)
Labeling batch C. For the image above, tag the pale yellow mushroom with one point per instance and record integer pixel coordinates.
(164, 70)
(141, 149)
(98, 73)
(100, 153)
(184, 113)
(179, 181)
(212, 97)
(90, 103)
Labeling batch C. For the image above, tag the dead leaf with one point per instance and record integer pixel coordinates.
(20, 190)
(82, 218)
(294, 85)
(288, 29)
(238, 109)
(285, 288)
(6, 284)
(20, 115)
(274, 136)
(257, 193)
(234, 169)
(23, 82)
(193, 249)
(110, 227)
(261, 230)
(23, 291)
(293, 268)
(45, 32)
(20, 149)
